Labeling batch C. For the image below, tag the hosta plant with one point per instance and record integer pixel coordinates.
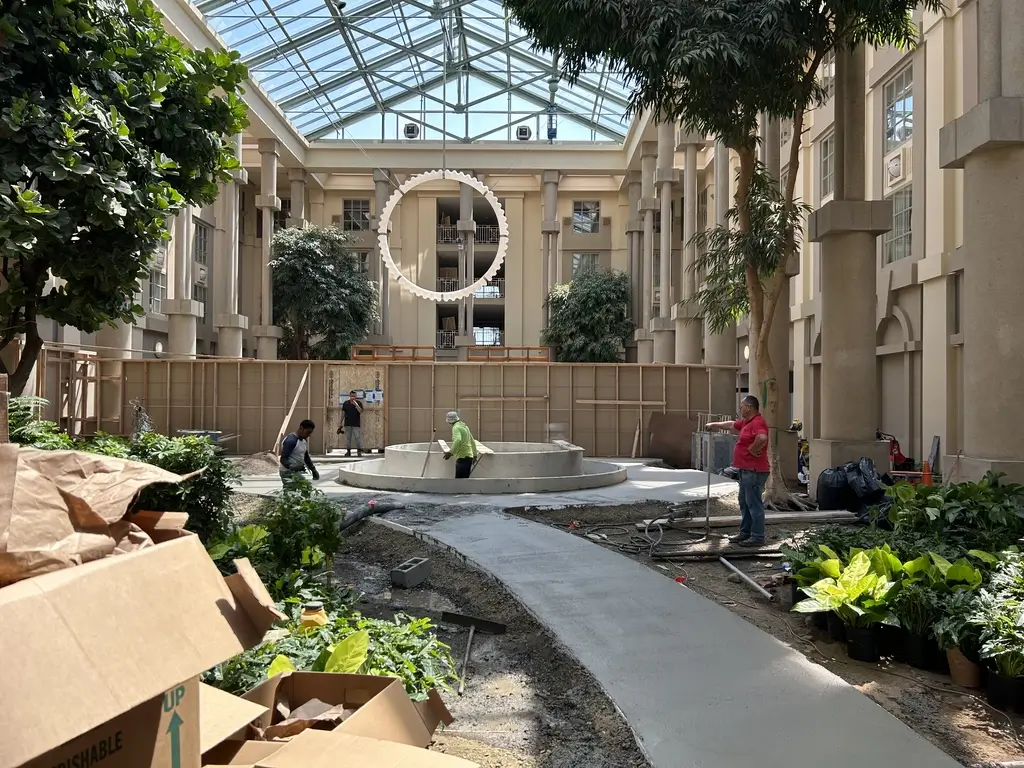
(861, 595)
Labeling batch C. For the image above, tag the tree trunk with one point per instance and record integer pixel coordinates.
(29, 355)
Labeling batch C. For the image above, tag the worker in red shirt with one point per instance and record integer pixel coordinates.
(750, 457)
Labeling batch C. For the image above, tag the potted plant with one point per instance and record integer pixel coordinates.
(860, 597)
(997, 612)
(808, 567)
(960, 639)
(917, 608)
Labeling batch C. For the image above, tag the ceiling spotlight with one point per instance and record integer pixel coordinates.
(341, 4)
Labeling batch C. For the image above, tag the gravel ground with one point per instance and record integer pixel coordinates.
(956, 720)
(527, 703)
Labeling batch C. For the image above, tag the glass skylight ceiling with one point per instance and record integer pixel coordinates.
(368, 69)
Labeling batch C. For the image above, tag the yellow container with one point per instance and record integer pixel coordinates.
(313, 615)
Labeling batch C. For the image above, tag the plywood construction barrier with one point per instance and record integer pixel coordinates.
(595, 406)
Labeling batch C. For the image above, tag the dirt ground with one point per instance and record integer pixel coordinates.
(257, 464)
(527, 703)
(955, 719)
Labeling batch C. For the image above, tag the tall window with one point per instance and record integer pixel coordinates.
(199, 294)
(355, 216)
(487, 336)
(896, 243)
(202, 242)
(363, 260)
(899, 109)
(586, 217)
(827, 160)
(157, 290)
(583, 262)
(827, 74)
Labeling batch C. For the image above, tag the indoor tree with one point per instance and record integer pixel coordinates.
(589, 317)
(108, 126)
(322, 299)
(720, 67)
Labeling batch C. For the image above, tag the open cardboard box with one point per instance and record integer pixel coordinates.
(104, 658)
(338, 749)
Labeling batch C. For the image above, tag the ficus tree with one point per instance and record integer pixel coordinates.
(719, 67)
(108, 126)
(322, 299)
(589, 317)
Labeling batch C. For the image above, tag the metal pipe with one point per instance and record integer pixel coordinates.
(747, 579)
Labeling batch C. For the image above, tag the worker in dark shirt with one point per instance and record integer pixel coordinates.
(353, 426)
(295, 458)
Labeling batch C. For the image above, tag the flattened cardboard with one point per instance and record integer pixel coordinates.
(337, 749)
(383, 709)
(160, 733)
(240, 753)
(96, 641)
(222, 715)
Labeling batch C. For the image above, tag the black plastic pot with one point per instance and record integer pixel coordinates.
(795, 595)
(891, 642)
(836, 628)
(862, 644)
(820, 621)
(935, 657)
(1002, 692)
(915, 651)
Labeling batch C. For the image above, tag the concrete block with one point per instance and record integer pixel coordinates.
(411, 573)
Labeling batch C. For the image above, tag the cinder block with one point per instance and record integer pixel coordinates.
(411, 573)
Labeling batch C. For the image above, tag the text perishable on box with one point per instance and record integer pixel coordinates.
(105, 658)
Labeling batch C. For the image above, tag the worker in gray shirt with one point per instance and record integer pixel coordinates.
(295, 458)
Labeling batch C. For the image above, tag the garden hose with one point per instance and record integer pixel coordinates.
(363, 511)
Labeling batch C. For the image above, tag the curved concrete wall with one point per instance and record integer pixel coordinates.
(365, 474)
(510, 460)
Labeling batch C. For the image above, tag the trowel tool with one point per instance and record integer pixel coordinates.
(484, 625)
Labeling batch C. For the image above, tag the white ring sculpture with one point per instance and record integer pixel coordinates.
(385, 246)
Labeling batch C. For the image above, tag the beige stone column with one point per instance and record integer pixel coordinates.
(988, 144)
(381, 192)
(634, 238)
(316, 206)
(230, 325)
(720, 348)
(182, 312)
(663, 328)
(847, 228)
(467, 254)
(549, 237)
(685, 314)
(648, 205)
(298, 216)
(268, 203)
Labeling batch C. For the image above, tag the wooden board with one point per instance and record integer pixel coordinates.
(771, 518)
(342, 379)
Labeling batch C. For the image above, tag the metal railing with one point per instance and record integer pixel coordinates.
(445, 340)
(495, 289)
(486, 234)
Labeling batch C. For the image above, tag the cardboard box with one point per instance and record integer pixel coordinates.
(104, 657)
(383, 709)
(338, 749)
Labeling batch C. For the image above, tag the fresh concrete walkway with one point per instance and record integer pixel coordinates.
(700, 687)
(643, 483)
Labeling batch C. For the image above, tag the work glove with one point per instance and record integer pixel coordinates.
(316, 475)
(447, 455)
(341, 430)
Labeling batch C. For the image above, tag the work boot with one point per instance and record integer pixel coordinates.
(750, 542)
(359, 453)
(348, 454)
(739, 538)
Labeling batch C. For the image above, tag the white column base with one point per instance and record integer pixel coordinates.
(182, 318)
(663, 331)
(267, 337)
(230, 330)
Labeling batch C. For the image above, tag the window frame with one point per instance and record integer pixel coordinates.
(353, 220)
(898, 110)
(156, 303)
(202, 242)
(898, 242)
(586, 217)
(827, 164)
(583, 261)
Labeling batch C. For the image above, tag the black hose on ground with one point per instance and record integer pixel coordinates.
(364, 511)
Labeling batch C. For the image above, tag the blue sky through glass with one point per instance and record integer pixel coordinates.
(367, 69)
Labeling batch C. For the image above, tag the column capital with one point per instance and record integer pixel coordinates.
(297, 174)
(231, 321)
(648, 204)
(634, 224)
(992, 124)
(634, 177)
(182, 307)
(840, 217)
(649, 149)
(666, 176)
(240, 176)
(550, 227)
(685, 138)
(267, 332)
(381, 175)
(269, 147)
(550, 177)
(273, 202)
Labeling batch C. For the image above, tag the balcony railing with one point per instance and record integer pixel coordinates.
(484, 337)
(485, 233)
(446, 339)
(495, 289)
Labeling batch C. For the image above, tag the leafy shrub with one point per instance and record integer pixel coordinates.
(861, 593)
(590, 320)
(299, 519)
(987, 505)
(26, 428)
(996, 613)
(404, 648)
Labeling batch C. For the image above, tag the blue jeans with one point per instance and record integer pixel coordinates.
(751, 506)
(354, 435)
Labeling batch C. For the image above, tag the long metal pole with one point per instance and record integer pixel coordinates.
(747, 579)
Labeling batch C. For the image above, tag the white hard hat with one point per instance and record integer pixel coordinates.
(452, 417)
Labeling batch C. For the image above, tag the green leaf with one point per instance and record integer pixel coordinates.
(986, 557)
(830, 553)
(279, 665)
(831, 568)
(219, 550)
(350, 654)
(941, 563)
(855, 571)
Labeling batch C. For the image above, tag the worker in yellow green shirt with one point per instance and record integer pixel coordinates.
(463, 446)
